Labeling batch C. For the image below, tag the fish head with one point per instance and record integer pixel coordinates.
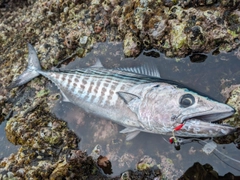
(161, 107)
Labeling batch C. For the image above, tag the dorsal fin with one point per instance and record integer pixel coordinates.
(97, 64)
(147, 69)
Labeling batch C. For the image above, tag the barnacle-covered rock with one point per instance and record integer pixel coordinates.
(169, 171)
(233, 95)
(168, 26)
(199, 171)
(115, 15)
(178, 39)
(148, 174)
(41, 136)
(196, 39)
(158, 28)
(229, 3)
(131, 45)
(234, 101)
(76, 165)
(195, 3)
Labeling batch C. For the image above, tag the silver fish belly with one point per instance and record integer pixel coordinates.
(139, 102)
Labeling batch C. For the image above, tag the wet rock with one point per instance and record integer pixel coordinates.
(168, 169)
(196, 40)
(167, 26)
(48, 148)
(104, 163)
(178, 39)
(234, 101)
(201, 172)
(233, 95)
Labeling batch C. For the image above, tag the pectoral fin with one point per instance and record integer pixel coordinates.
(131, 133)
(127, 97)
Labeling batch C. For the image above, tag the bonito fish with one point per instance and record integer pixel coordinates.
(139, 102)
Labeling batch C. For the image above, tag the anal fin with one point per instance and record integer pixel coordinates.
(64, 97)
(97, 64)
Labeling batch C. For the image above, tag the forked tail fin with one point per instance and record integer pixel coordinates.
(32, 70)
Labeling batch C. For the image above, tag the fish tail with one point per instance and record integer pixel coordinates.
(32, 70)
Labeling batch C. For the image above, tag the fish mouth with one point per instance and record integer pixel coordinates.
(207, 124)
(214, 117)
(213, 114)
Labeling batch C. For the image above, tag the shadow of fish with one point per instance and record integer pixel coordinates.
(136, 98)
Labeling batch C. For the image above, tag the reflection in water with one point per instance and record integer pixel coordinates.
(210, 77)
(198, 58)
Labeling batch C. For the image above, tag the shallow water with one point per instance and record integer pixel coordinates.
(6, 148)
(209, 77)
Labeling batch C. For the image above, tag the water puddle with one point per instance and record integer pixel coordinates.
(6, 147)
(207, 74)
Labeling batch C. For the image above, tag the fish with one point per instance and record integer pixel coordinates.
(136, 98)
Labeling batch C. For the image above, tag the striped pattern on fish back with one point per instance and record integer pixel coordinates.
(95, 85)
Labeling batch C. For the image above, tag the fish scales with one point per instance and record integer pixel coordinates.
(92, 85)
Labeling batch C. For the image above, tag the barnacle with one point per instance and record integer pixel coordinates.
(178, 38)
(196, 39)
(159, 28)
(131, 45)
(147, 42)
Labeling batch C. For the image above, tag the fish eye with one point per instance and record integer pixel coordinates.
(186, 100)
